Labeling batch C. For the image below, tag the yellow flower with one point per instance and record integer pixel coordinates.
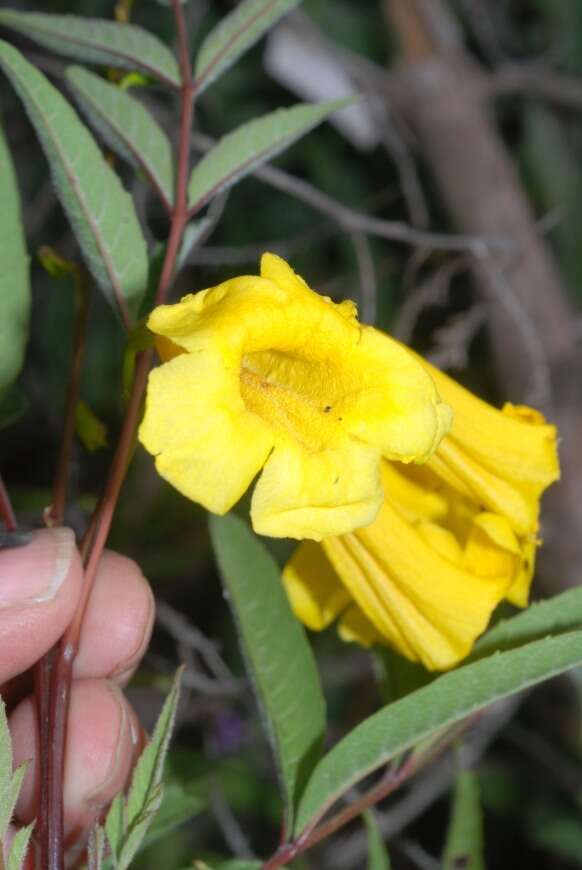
(453, 539)
(263, 373)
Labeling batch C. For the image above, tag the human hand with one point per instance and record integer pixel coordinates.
(40, 586)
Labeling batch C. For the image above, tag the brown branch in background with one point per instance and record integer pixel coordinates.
(444, 101)
(534, 80)
(349, 852)
(355, 221)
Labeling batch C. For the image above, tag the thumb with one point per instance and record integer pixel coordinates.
(39, 589)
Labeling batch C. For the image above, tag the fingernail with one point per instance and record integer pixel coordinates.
(102, 793)
(34, 574)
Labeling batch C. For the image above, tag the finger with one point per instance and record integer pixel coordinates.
(118, 622)
(103, 739)
(39, 589)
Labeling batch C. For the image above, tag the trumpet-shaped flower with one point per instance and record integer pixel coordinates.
(453, 539)
(261, 374)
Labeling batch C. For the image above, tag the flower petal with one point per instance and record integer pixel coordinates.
(354, 627)
(205, 441)
(312, 495)
(516, 444)
(313, 587)
(396, 406)
(419, 601)
(520, 504)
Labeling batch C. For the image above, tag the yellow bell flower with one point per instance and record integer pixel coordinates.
(261, 373)
(453, 539)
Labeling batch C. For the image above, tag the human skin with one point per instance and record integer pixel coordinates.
(40, 586)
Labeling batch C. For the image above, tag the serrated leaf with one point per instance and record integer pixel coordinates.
(115, 825)
(238, 153)
(553, 616)
(178, 806)
(8, 798)
(378, 858)
(279, 658)
(96, 40)
(449, 699)
(150, 766)
(19, 848)
(127, 127)
(139, 827)
(5, 769)
(101, 212)
(464, 845)
(14, 275)
(236, 33)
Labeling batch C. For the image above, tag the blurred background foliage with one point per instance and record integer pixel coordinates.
(531, 775)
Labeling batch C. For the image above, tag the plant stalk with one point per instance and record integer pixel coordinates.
(52, 847)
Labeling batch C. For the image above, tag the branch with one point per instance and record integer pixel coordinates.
(53, 722)
(354, 221)
(535, 81)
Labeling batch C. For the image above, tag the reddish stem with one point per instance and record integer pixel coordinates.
(180, 211)
(6, 510)
(44, 669)
(388, 784)
(95, 539)
(57, 509)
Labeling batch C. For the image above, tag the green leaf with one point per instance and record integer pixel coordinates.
(127, 127)
(449, 699)
(19, 848)
(137, 831)
(10, 783)
(235, 34)
(178, 806)
(9, 796)
(12, 406)
(280, 660)
(5, 771)
(378, 858)
(14, 278)
(558, 831)
(231, 864)
(90, 430)
(96, 40)
(238, 153)
(150, 767)
(464, 846)
(101, 212)
(128, 820)
(115, 825)
(554, 616)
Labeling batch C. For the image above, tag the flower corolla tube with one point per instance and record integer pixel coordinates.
(263, 376)
(453, 538)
